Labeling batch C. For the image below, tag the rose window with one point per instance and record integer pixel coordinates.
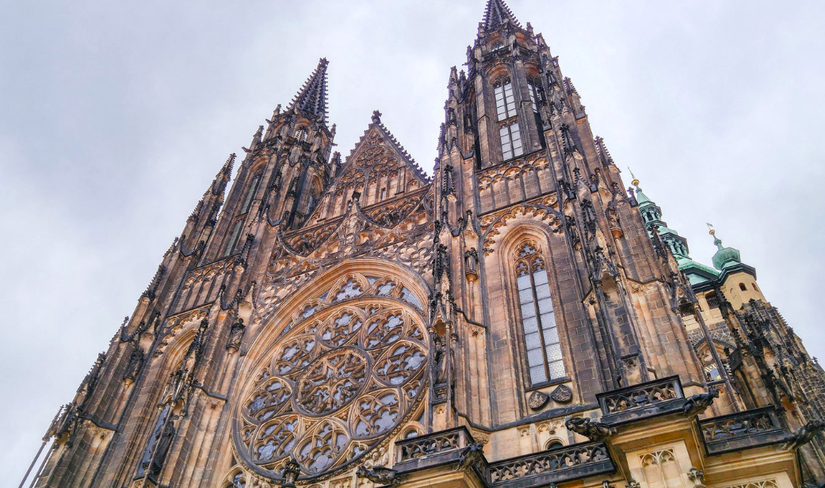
(335, 384)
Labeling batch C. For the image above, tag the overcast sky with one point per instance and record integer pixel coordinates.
(115, 116)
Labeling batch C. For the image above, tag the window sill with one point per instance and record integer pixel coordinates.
(557, 381)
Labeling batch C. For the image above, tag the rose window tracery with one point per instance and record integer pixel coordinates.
(348, 371)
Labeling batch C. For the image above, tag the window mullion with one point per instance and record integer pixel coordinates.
(540, 325)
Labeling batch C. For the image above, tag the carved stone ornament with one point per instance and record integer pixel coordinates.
(537, 400)
(562, 394)
(334, 385)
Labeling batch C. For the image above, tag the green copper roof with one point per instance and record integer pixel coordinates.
(725, 256)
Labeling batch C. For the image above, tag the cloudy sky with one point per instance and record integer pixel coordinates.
(115, 116)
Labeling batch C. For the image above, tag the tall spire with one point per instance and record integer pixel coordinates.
(312, 97)
(496, 13)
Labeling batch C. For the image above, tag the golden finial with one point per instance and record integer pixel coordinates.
(711, 230)
(634, 181)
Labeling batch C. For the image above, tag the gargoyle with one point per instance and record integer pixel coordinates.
(472, 454)
(379, 475)
(699, 402)
(592, 430)
(804, 434)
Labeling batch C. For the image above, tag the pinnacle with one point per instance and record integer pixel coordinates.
(497, 13)
(312, 97)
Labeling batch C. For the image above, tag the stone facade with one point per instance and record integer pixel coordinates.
(510, 321)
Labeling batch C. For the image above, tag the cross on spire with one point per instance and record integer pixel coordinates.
(312, 97)
(496, 13)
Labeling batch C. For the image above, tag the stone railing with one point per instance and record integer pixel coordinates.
(553, 466)
(641, 395)
(438, 442)
(740, 430)
(657, 397)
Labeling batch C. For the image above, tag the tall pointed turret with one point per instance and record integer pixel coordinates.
(497, 13)
(312, 97)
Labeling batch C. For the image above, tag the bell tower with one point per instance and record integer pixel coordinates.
(555, 259)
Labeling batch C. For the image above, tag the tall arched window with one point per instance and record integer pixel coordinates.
(541, 336)
(505, 101)
(233, 238)
(250, 193)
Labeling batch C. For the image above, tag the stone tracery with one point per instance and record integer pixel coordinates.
(356, 357)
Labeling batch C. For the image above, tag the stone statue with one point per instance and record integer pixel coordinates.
(804, 434)
(133, 366)
(235, 335)
(440, 375)
(472, 455)
(379, 475)
(594, 431)
(699, 402)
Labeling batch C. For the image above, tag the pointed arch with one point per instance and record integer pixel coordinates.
(545, 360)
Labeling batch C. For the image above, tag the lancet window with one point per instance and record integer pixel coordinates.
(538, 321)
(536, 94)
(510, 141)
(505, 100)
(250, 193)
(233, 238)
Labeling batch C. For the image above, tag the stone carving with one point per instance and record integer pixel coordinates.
(235, 335)
(804, 434)
(590, 429)
(562, 394)
(697, 476)
(700, 402)
(340, 378)
(471, 455)
(133, 366)
(538, 400)
(379, 475)
(591, 459)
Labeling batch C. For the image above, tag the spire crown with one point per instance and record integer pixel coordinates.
(312, 97)
(497, 13)
(725, 256)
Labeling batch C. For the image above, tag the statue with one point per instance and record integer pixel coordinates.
(379, 475)
(235, 335)
(594, 431)
(440, 373)
(162, 449)
(133, 366)
(804, 434)
(471, 456)
(699, 402)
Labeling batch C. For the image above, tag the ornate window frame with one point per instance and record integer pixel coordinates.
(526, 265)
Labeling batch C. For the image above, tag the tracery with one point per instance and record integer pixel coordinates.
(346, 372)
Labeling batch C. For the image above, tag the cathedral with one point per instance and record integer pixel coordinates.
(520, 318)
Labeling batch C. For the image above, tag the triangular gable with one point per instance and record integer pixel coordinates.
(378, 170)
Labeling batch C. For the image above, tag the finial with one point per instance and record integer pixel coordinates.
(712, 231)
(376, 117)
(635, 181)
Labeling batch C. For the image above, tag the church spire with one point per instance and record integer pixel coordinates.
(312, 97)
(497, 13)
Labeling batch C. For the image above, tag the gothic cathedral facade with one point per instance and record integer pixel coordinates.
(519, 319)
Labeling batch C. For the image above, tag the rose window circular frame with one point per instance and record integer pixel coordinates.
(335, 385)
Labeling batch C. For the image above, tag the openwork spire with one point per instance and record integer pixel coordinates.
(312, 97)
(497, 13)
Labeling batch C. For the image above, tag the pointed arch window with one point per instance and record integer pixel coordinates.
(538, 321)
(510, 141)
(250, 193)
(505, 100)
(233, 238)
(301, 134)
(536, 94)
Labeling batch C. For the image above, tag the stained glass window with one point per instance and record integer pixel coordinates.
(538, 321)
